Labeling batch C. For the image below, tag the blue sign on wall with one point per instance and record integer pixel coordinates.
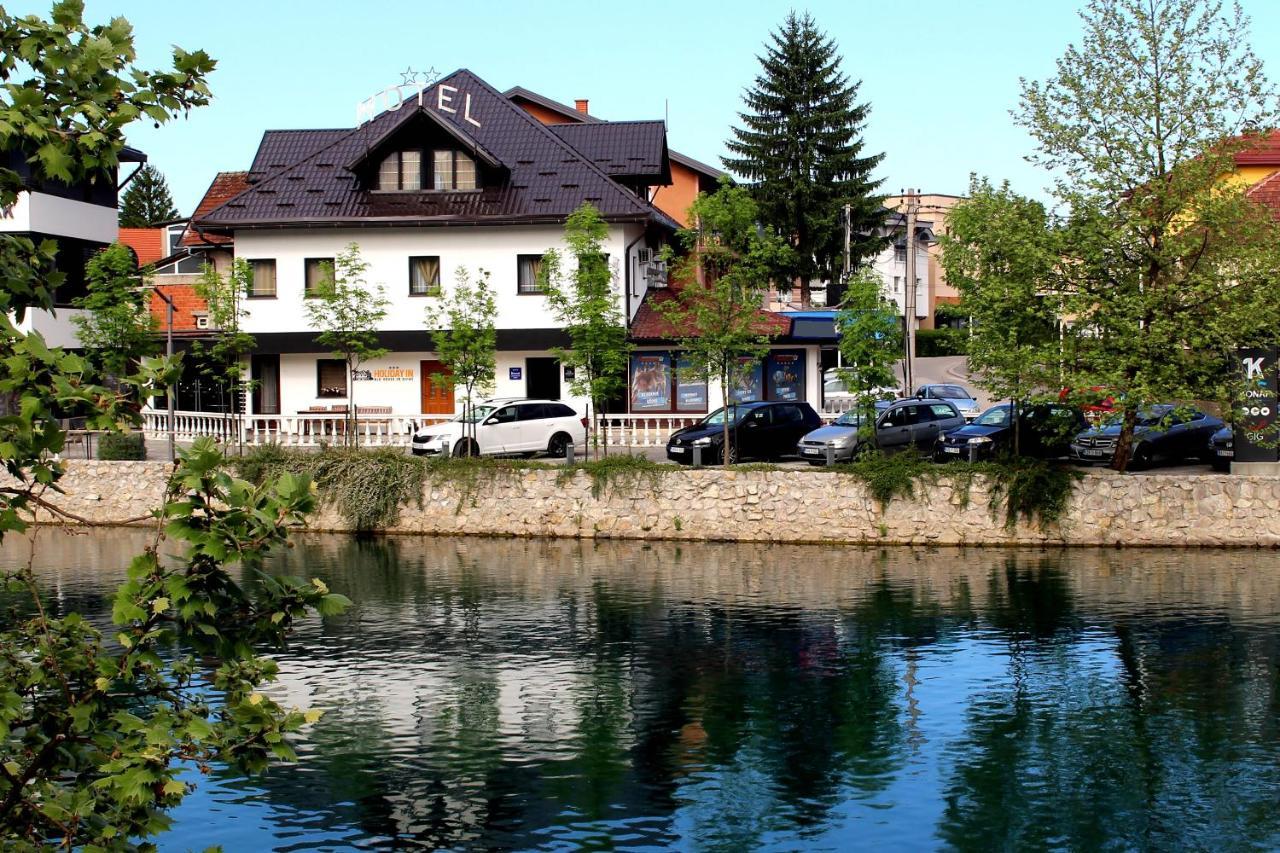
(514, 373)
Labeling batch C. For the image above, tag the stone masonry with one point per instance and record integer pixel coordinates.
(770, 506)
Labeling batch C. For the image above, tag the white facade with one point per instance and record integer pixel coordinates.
(891, 265)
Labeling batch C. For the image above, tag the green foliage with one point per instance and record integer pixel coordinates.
(465, 338)
(224, 300)
(347, 312)
(122, 447)
(890, 476)
(585, 301)
(1033, 490)
(801, 149)
(722, 278)
(1165, 268)
(147, 202)
(95, 732)
(933, 343)
(870, 341)
(620, 472)
(116, 327)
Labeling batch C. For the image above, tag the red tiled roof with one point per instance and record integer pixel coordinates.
(185, 305)
(225, 186)
(1266, 151)
(149, 244)
(1267, 192)
(651, 325)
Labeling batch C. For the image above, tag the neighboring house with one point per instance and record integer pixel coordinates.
(891, 263)
(935, 207)
(81, 218)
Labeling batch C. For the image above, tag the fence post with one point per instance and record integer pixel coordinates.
(697, 456)
(831, 455)
(444, 448)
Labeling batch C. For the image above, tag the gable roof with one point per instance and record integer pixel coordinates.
(650, 324)
(547, 179)
(1262, 151)
(572, 115)
(624, 149)
(1267, 193)
(280, 149)
(225, 186)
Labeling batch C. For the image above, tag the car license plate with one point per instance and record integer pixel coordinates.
(674, 449)
(1226, 453)
(1093, 451)
(812, 451)
(950, 450)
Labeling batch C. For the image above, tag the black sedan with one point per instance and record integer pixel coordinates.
(1164, 433)
(1222, 449)
(756, 431)
(1044, 432)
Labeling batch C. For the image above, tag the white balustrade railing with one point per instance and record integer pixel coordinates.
(642, 430)
(300, 430)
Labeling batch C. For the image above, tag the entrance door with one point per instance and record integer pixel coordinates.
(265, 372)
(437, 399)
(543, 382)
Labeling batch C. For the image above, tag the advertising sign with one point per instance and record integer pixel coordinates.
(747, 380)
(651, 382)
(1255, 428)
(383, 374)
(784, 373)
(691, 389)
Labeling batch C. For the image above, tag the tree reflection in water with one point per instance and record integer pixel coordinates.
(509, 693)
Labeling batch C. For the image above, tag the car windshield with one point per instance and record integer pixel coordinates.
(950, 392)
(478, 413)
(852, 419)
(716, 418)
(998, 416)
(1146, 417)
(834, 386)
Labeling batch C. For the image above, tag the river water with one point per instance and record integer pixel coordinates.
(528, 694)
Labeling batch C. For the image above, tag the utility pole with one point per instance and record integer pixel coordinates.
(168, 351)
(848, 224)
(909, 310)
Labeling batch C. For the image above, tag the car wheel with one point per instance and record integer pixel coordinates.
(466, 447)
(733, 454)
(558, 447)
(1141, 459)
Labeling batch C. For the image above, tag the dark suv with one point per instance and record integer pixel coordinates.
(756, 431)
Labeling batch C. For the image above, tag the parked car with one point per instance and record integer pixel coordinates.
(1164, 433)
(1222, 448)
(899, 425)
(836, 396)
(1044, 431)
(757, 430)
(505, 426)
(958, 395)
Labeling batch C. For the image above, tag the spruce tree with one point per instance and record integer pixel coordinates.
(801, 151)
(147, 202)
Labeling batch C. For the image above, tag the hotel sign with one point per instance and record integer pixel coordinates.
(383, 374)
(417, 87)
(1255, 426)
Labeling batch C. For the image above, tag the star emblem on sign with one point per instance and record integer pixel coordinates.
(410, 77)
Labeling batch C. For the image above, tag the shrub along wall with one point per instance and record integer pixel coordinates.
(766, 506)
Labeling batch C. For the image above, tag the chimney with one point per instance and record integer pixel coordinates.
(581, 104)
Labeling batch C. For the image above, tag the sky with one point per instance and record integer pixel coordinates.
(941, 78)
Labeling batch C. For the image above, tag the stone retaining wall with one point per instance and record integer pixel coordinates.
(771, 506)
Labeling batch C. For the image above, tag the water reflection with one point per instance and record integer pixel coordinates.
(545, 694)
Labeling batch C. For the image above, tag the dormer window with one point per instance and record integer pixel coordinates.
(453, 170)
(401, 171)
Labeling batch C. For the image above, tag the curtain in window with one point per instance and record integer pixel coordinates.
(389, 172)
(465, 172)
(424, 276)
(318, 270)
(442, 170)
(410, 170)
(264, 278)
(529, 268)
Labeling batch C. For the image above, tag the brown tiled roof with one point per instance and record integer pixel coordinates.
(544, 178)
(225, 186)
(149, 244)
(650, 324)
(1262, 151)
(624, 149)
(1267, 192)
(280, 149)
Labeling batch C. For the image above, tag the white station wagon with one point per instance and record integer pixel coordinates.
(504, 427)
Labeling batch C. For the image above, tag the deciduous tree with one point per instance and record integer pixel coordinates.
(464, 336)
(722, 277)
(347, 312)
(224, 300)
(1167, 265)
(801, 149)
(870, 342)
(116, 327)
(585, 300)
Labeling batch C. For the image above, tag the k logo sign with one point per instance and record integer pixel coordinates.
(1253, 367)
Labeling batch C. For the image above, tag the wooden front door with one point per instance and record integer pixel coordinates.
(437, 399)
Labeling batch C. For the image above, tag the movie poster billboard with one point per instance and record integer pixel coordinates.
(651, 382)
(1255, 429)
(691, 387)
(746, 380)
(784, 374)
